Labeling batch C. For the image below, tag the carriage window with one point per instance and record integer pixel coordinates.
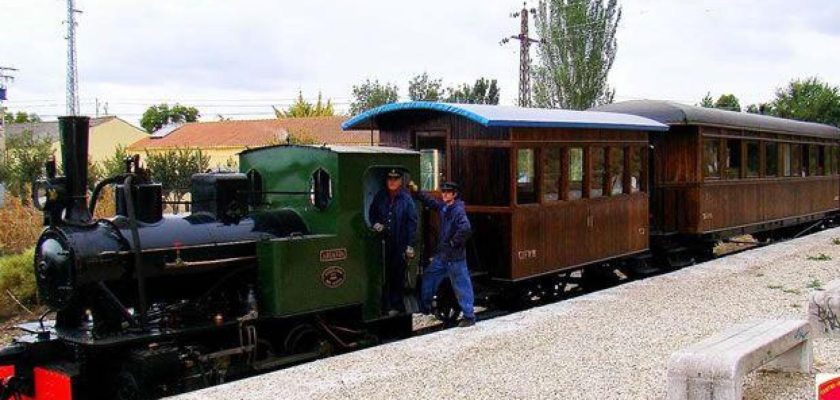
(616, 170)
(636, 169)
(787, 164)
(526, 188)
(796, 166)
(733, 158)
(711, 159)
(575, 173)
(828, 159)
(835, 157)
(552, 174)
(430, 169)
(771, 159)
(432, 146)
(820, 158)
(599, 172)
(811, 160)
(753, 160)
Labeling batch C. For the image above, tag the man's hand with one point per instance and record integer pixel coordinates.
(409, 252)
(412, 187)
(378, 227)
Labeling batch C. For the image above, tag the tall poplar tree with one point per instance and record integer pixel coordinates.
(576, 52)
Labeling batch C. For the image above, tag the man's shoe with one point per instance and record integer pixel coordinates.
(466, 323)
(393, 313)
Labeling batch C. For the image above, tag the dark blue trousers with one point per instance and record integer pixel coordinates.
(458, 274)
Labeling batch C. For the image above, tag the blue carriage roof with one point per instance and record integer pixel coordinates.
(511, 117)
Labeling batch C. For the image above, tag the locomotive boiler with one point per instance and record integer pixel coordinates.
(272, 266)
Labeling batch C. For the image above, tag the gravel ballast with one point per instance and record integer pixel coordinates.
(612, 344)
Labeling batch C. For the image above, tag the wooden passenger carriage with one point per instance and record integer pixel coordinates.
(720, 173)
(546, 190)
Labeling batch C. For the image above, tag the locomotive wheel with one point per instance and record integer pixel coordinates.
(445, 305)
(302, 338)
(128, 387)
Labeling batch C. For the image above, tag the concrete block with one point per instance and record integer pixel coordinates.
(824, 310)
(714, 369)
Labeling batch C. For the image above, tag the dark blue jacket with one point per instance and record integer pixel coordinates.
(401, 225)
(455, 228)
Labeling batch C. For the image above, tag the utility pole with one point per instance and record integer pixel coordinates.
(72, 72)
(525, 43)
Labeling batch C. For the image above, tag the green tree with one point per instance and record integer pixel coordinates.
(761, 108)
(484, 91)
(707, 101)
(155, 117)
(423, 88)
(724, 102)
(576, 53)
(372, 94)
(808, 100)
(23, 162)
(728, 102)
(303, 109)
(21, 118)
(115, 165)
(174, 169)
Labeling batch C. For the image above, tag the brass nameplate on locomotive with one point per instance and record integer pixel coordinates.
(333, 255)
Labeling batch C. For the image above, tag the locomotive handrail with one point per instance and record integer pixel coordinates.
(208, 263)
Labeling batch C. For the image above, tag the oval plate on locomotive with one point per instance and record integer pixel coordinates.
(333, 277)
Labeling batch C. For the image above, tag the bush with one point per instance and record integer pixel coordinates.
(20, 226)
(18, 277)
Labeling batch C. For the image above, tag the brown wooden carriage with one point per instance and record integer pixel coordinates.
(719, 173)
(546, 190)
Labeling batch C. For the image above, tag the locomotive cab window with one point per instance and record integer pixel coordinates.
(320, 189)
(526, 188)
(255, 188)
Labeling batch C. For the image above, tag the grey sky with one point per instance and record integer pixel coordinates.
(236, 58)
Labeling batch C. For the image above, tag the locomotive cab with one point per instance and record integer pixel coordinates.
(339, 265)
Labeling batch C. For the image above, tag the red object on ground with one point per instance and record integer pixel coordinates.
(49, 384)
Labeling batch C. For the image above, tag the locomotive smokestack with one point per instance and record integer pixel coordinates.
(74, 159)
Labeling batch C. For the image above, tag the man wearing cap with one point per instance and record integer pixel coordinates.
(450, 257)
(393, 215)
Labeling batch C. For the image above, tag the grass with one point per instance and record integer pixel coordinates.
(773, 286)
(791, 291)
(814, 284)
(820, 257)
(835, 241)
(17, 277)
(20, 226)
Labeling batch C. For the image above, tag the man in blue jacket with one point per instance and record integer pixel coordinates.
(394, 215)
(450, 257)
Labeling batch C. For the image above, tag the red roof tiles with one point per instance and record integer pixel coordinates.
(256, 133)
